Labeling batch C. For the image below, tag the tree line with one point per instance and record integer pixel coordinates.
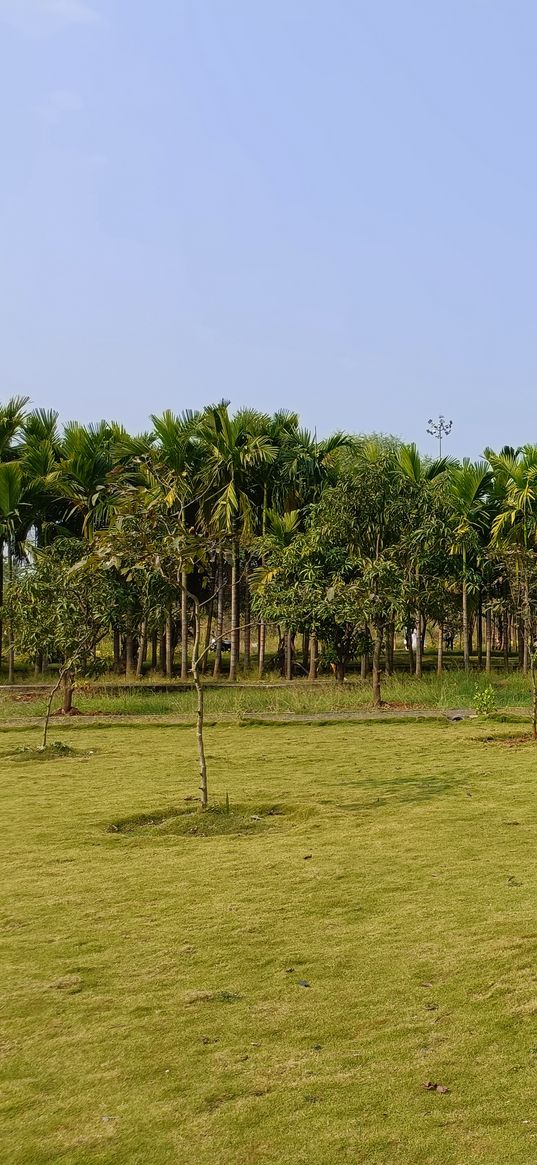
(213, 526)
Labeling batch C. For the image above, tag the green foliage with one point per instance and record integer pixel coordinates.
(485, 700)
(56, 607)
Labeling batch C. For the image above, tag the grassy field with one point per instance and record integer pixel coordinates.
(153, 975)
(453, 690)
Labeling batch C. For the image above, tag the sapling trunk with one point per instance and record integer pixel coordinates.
(52, 694)
(198, 684)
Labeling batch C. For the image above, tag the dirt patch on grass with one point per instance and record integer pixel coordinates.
(194, 822)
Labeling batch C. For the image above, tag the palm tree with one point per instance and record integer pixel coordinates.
(84, 475)
(233, 451)
(11, 501)
(470, 487)
(177, 451)
(421, 472)
(514, 527)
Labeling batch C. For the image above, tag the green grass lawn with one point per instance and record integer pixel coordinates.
(152, 1008)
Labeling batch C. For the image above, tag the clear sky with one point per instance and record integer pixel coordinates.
(329, 205)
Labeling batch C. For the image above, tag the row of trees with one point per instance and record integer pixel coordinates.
(218, 525)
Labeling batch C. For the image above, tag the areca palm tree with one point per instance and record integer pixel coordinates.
(470, 488)
(514, 527)
(177, 450)
(11, 501)
(233, 451)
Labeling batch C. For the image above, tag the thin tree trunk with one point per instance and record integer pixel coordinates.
(67, 698)
(141, 650)
(390, 638)
(505, 640)
(184, 626)
(129, 656)
(117, 650)
(479, 618)
(1, 599)
(234, 655)
(53, 691)
(198, 684)
(154, 644)
(314, 648)
(533, 694)
(169, 643)
(247, 639)
(377, 650)
(163, 667)
(288, 655)
(465, 642)
(261, 640)
(488, 642)
(440, 650)
(219, 617)
(11, 645)
(305, 648)
(340, 671)
(419, 646)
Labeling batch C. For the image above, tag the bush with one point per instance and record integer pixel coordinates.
(485, 700)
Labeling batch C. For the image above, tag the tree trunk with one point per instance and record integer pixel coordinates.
(261, 641)
(184, 626)
(52, 694)
(11, 644)
(169, 643)
(163, 668)
(1, 599)
(465, 642)
(141, 650)
(419, 646)
(488, 642)
(288, 655)
(505, 640)
(129, 656)
(305, 649)
(314, 647)
(154, 644)
(67, 691)
(340, 671)
(479, 618)
(198, 684)
(440, 651)
(377, 650)
(247, 638)
(235, 629)
(390, 638)
(219, 617)
(117, 650)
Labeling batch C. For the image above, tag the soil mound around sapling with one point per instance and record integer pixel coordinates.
(55, 751)
(191, 821)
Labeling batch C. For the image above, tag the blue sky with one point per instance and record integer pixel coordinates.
(329, 205)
